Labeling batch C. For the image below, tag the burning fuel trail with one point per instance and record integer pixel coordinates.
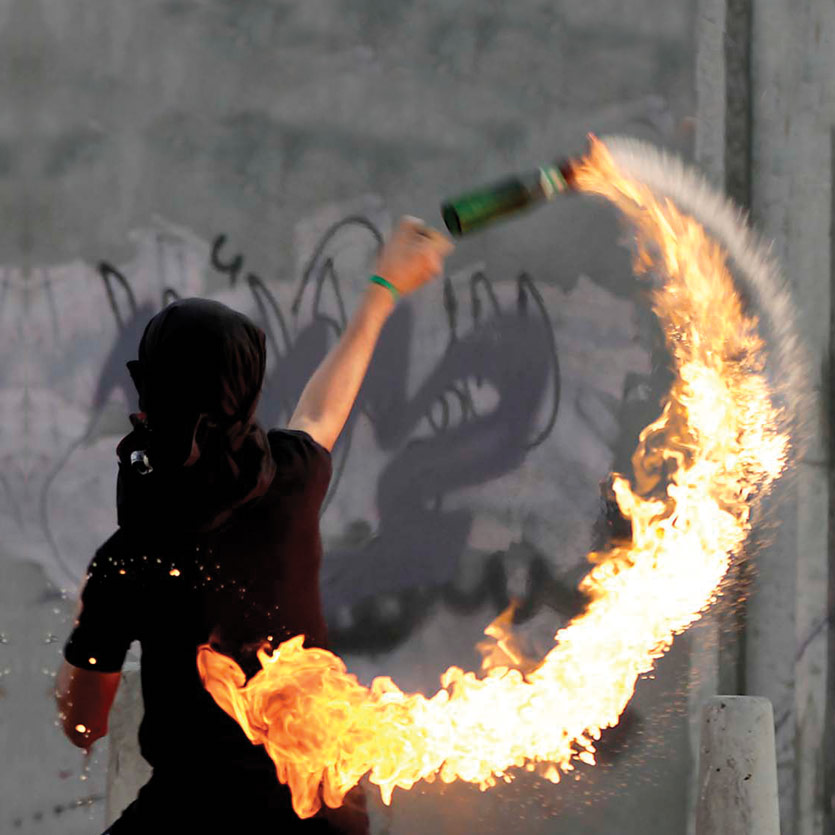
(723, 437)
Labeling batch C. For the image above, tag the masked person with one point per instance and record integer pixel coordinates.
(218, 541)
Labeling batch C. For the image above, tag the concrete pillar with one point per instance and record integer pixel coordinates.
(737, 768)
(715, 642)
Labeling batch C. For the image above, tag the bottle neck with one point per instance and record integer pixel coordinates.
(552, 181)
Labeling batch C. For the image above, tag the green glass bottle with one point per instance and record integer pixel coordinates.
(481, 207)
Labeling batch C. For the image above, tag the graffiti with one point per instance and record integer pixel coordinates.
(506, 353)
(468, 473)
(231, 268)
(379, 623)
(436, 473)
(295, 358)
(131, 319)
(512, 352)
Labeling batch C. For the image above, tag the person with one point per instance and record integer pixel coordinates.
(218, 541)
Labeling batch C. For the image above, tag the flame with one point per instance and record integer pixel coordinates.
(501, 649)
(718, 443)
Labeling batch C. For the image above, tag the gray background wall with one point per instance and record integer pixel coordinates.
(255, 151)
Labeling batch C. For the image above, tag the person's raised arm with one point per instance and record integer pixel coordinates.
(412, 257)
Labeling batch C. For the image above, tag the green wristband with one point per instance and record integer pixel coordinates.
(378, 279)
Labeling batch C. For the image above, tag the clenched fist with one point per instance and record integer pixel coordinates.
(413, 255)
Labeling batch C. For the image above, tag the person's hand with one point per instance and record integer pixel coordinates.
(413, 255)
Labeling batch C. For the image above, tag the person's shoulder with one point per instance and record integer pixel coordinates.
(127, 553)
(298, 456)
(284, 441)
(115, 566)
(119, 544)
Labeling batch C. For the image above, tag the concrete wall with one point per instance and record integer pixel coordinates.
(253, 151)
(789, 635)
(766, 93)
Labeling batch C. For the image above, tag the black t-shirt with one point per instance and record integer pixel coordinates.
(254, 579)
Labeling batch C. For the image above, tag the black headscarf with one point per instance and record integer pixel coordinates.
(199, 375)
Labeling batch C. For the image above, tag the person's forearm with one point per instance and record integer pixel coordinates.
(412, 256)
(84, 699)
(329, 395)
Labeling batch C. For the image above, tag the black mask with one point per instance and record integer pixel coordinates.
(196, 452)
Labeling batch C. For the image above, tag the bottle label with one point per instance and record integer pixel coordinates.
(552, 181)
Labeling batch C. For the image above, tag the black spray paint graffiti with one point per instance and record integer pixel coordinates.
(373, 601)
(378, 586)
(131, 319)
(295, 359)
(507, 351)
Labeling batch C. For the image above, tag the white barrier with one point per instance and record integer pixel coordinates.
(737, 790)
